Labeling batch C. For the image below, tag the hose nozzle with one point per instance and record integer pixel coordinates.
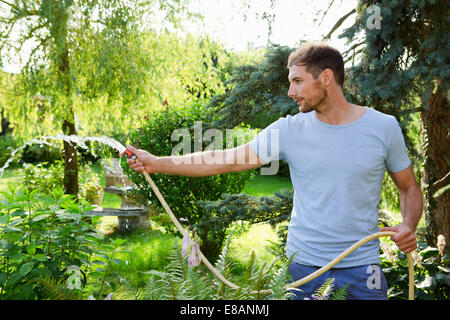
(129, 154)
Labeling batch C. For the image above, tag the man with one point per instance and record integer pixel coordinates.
(337, 154)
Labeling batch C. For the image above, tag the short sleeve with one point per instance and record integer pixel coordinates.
(267, 144)
(397, 156)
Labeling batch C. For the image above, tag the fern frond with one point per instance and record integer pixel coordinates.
(325, 290)
(340, 293)
(52, 289)
(177, 266)
(250, 268)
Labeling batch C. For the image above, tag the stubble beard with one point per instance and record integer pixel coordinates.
(316, 103)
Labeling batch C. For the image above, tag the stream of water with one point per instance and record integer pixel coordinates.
(79, 141)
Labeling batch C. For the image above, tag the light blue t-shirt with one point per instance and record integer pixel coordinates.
(337, 173)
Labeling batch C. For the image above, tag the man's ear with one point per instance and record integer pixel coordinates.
(327, 77)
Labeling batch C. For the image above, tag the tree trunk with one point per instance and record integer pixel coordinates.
(4, 125)
(70, 149)
(70, 160)
(436, 144)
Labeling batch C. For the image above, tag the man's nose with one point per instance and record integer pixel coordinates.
(291, 92)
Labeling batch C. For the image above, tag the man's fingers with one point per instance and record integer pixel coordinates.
(407, 248)
(404, 239)
(131, 148)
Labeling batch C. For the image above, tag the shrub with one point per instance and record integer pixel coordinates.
(36, 153)
(221, 214)
(47, 177)
(41, 236)
(7, 144)
(183, 193)
(43, 176)
(431, 272)
(90, 188)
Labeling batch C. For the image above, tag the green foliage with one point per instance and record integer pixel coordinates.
(35, 153)
(431, 271)
(325, 291)
(7, 145)
(103, 62)
(42, 176)
(89, 69)
(178, 281)
(40, 237)
(90, 188)
(183, 193)
(103, 275)
(396, 65)
(47, 177)
(52, 289)
(257, 93)
(223, 213)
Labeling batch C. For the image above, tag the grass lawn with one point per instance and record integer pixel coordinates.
(10, 177)
(267, 185)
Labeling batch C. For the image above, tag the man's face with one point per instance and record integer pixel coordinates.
(307, 92)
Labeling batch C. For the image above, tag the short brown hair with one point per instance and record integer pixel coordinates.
(317, 57)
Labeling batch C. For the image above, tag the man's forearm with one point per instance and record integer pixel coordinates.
(207, 163)
(192, 165)
(411, 206)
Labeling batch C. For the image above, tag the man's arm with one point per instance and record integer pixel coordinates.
(198, 164)
(411, 205)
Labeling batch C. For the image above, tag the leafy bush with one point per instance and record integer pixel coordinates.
(7, 144)
(221, 214)
(47, 177)
(36, 153)
(41, 236)
(43, 176)
(431, 271)
(90, 188)
(183, 193)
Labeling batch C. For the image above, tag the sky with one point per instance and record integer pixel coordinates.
(237, 24)
(294, 21)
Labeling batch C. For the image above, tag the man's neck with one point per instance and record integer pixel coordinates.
(336, 110)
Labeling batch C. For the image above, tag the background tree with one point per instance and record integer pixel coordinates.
(83, 55)
(257, 92)
(403, 70)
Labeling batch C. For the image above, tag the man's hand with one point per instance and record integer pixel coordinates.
(405, 239)
(145, 161)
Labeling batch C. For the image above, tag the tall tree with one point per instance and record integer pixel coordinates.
(404, 69)
(257, 91)
(64, 37)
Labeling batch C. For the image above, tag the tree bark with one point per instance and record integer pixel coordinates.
(70, 149)
(4, 125)
(436, 148)
(70, 160)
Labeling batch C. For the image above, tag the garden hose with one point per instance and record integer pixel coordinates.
(293, 284)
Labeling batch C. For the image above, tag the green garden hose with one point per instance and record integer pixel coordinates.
(298, 282)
